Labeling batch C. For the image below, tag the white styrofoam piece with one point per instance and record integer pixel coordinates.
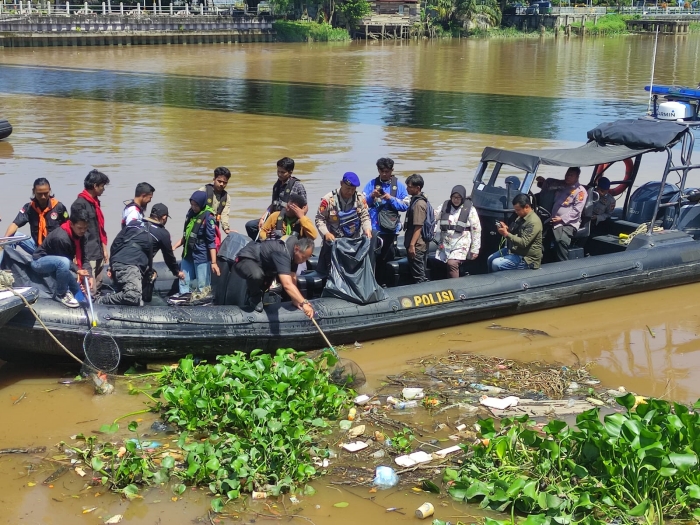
(501, 404)
(355, 446)
(445, 451)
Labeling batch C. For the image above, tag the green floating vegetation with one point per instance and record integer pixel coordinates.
(631, 467)
(296, 31)
(246, 423)
(694, 27)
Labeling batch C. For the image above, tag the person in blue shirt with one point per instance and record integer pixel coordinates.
(386, 197)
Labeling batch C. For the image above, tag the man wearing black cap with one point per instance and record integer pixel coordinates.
(131, 257)
(604, 205)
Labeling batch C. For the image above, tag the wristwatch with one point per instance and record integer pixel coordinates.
(304, 302)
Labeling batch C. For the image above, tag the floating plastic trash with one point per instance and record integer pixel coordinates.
(385, 477)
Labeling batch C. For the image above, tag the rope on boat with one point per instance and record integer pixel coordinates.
(642, 228)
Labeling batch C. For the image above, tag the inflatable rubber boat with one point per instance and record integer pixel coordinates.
(601, 264)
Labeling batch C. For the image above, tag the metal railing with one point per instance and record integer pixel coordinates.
(155, 7)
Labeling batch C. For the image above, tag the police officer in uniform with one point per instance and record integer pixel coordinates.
(342, 213)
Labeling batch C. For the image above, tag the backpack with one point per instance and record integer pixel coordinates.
(428, 229)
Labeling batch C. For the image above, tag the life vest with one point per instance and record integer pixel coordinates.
(462, 221)
(280, 197)
(193, 239)
(279, 203)
(393, 188)
(209, 188)
(346, 223)
(127, 205)
(280, 231)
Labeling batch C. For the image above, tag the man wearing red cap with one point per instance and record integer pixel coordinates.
(342, 213)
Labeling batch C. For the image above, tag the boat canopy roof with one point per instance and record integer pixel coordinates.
(609, 142)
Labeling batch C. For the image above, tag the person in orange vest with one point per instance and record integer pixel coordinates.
(44, 213)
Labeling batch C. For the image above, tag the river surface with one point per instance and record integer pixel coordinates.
(169, 115)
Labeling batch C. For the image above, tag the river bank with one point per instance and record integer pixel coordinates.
(427, 442)
(113, 30)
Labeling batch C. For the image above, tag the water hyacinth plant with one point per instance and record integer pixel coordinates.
(631, 467)
(247, 422)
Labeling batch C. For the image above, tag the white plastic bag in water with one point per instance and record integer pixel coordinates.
(385, 478)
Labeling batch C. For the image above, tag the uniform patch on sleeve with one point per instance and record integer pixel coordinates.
(580, 196)
(323, 206)
(21, 210)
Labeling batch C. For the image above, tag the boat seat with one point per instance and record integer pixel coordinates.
(311, 284)
(584, 231)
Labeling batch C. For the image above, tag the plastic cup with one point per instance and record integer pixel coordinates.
(425, 510)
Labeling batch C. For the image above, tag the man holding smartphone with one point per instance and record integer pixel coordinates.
(524, 240)
(385, 197)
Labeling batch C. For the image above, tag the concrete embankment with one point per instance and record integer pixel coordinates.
(124, 30)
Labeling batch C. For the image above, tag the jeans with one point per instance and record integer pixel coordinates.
(201, 272)
(504, 260)
(28, 246)
(59, 268)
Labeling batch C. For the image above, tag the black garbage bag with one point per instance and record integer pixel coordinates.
(351, 276)
(232, 245)
(228, 287)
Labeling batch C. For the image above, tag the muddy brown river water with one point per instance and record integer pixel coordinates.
(170, 115)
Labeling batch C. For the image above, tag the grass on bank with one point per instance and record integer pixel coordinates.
(296, 31)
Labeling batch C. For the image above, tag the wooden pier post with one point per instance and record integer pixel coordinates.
(121, 8)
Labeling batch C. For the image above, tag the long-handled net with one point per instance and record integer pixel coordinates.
(101, 350)
(345, 372)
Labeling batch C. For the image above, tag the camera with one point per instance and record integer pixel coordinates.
(498, 224)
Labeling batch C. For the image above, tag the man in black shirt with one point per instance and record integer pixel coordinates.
(96, 238)
(260, 263)
(132, 253)
(43, 214)
(56, 254)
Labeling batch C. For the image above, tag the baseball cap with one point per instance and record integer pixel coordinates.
(351, 178)
(604, 183)
(159, 210)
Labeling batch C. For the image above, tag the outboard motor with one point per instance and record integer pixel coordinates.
(689, 218)
(643, 201)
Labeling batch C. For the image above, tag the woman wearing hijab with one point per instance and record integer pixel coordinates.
(457, 231)
(199, 245)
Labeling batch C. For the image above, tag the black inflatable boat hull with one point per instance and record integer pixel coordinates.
(5, 129)
(152, 332)
(11, 305)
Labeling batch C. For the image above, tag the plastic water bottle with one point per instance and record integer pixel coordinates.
(385, 478)
(403, 405)
(486, 388)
